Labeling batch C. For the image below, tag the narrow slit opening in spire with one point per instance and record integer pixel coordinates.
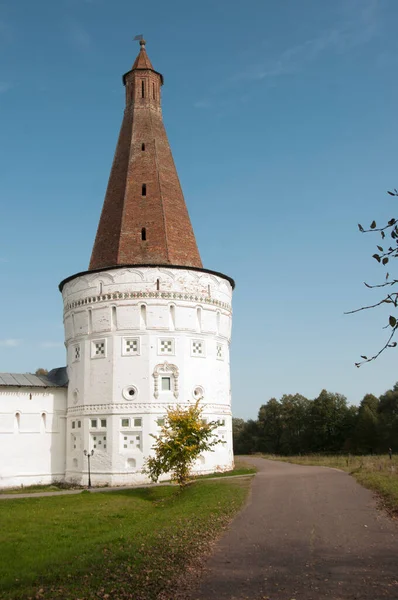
(143, 147)
(143, 234)
(143, 191)
(142, 89)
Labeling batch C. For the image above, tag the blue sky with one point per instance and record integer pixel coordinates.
(282, 119)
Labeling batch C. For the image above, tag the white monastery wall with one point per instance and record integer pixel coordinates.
(139, 340)
(32, 435)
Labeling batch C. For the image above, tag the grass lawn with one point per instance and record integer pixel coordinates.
(377, 473)
(130, 544)
(241, 468)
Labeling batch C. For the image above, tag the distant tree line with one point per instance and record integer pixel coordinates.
(327, 424)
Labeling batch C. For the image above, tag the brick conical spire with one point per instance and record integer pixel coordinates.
(144, 219)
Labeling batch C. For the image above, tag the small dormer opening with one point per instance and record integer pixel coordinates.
(143, 191)
(143, 147)
(142, 89)
(143, 234)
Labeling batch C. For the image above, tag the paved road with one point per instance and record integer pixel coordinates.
(307, 533)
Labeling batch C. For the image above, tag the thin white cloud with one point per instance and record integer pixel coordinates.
(10, 343)
(79, 37)
(359, 25)
(51, 345)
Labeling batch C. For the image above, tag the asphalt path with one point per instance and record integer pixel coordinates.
(306, 533)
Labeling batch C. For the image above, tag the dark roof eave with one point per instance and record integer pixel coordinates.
(135, 266)
(139, 69)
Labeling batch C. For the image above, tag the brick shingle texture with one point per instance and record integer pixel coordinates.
(162, 212)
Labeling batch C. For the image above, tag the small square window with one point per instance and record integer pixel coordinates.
(166, 384)
(125, 446)
(219, 352)
(98, 349)
(103, 422)
(197, 348)
(73, 424)
(137, 422)
(93, 423)
(125, 438)
(94, 438)
(166, 346)
(221, 423)
(130, 346)
(99, 442)
(125, 422)
(95, 445)
(79, 424)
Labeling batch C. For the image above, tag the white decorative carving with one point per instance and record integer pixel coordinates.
(165, 368)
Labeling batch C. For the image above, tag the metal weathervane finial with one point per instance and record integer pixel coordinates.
(139, 38)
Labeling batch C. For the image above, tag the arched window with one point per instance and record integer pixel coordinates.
(43, 422)
(17, 422)
(172, 317)
(143, 316)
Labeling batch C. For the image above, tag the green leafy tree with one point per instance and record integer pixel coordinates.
(388, 419)
(183, 437)
(294, 417)
(366, 432)
(245, 436)
(270, 427)
(387, 251)
(41, 372)
(329, 422)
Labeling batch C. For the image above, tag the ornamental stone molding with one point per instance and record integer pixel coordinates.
(142, 407)
(147, 295)
(167, 369)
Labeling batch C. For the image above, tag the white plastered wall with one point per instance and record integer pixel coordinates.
(127, 329)
(32, 435)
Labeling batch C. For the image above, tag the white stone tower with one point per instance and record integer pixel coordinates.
(147, 326)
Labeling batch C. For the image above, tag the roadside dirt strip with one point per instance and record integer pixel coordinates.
(307, 533)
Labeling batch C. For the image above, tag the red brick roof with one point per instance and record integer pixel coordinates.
(144, 219)
(142, 61)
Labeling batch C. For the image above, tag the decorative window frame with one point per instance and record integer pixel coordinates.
(162, 352)
(168, 370)
(195, 354)
(126, 339)
(219, 351)
(93, 348)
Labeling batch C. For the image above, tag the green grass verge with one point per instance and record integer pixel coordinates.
(121, 544)
(241, 468)
(377, 473)
(37, 489)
